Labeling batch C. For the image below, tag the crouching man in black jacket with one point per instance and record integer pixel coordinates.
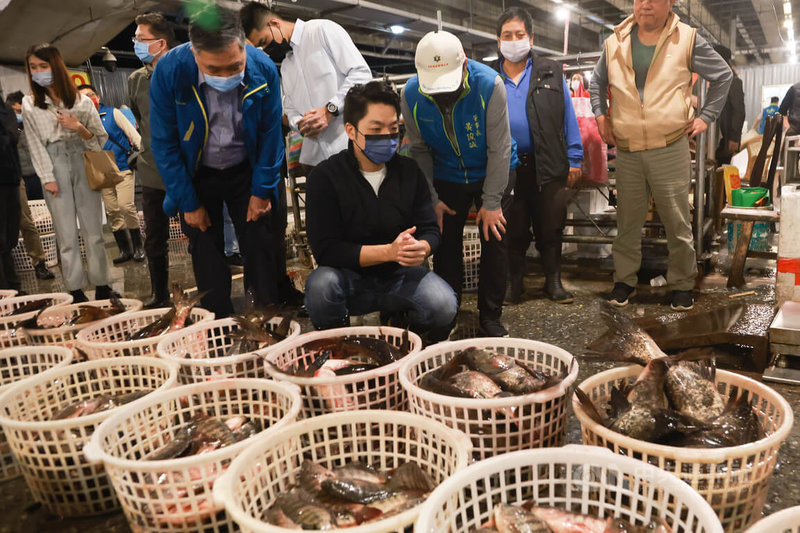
(371, 224)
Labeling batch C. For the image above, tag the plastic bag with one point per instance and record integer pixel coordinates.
(595, 151)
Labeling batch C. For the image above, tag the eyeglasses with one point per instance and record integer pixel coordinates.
(134, 40)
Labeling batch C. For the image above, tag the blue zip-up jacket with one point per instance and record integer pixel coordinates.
(116, 133)
(179, 125)
(462, 161)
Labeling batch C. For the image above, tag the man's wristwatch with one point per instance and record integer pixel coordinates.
(332, 108)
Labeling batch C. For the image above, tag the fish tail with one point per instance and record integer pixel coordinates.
(589, 406)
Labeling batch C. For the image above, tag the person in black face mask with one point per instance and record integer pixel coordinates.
(312, 103)
(371, 225)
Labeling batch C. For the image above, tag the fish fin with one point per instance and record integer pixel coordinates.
(618, 401)
(589, 406)
(317, 363)
(616, 343)
(451, 367)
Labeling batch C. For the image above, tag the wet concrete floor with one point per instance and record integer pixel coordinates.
(571, 327)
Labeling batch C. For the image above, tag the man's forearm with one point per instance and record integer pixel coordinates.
(374, 254)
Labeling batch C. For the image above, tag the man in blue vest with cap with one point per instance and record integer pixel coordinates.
(456, 119)
(215, 115)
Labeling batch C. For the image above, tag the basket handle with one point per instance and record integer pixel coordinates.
(92, 451)
(219, 489)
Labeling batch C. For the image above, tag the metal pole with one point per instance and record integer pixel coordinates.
(700, 179)
(566, 34)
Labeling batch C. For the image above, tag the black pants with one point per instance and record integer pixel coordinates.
(256, 240)
(9, 234)
(156, 223)
(448, 260)
(546, 209)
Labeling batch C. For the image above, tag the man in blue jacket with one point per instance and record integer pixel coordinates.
(216, 137)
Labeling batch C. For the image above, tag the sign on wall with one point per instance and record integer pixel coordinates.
(78, 77)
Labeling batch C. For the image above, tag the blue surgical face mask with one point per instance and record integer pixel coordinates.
(380, 148)
(225, 83)
(19, 118)
(42, 78)
(142, 51)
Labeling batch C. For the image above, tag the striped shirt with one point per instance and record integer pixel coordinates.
(42, 128)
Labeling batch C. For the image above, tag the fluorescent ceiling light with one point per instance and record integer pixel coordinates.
(397, 29)
(787, 8)
(562, 13)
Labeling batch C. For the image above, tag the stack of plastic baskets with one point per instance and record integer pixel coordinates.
(271, 464)
(472, 258)
(733, 480)
(175, 231)
(107, 338)
(373, 389)
(17, 364)
(176, 494)
(22, 260)
(65, 335)
(498, 425)
(10, 334)
(579, 479)
(50, 452)
(41, 217)
(201, 351)
(786, 521)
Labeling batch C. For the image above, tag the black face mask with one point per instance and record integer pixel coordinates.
(277, 50)
(444, 100)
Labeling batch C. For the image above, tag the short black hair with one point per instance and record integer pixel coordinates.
(724, 52)
(361, 95)
(87, 86)
(254, 16)
(15, 98)
(775, 99)
(215, 31)
(159, 26)
(515, 13)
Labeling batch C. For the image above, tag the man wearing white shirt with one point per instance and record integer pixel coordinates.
(319, 64)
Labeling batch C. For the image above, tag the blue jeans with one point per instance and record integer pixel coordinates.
(333, 294)
(231, 242)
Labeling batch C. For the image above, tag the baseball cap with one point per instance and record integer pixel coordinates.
(439, 61)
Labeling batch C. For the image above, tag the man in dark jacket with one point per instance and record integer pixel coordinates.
(216, 137)
(544, 126)
(731, 119)
(10, 175)
(371, 224)
(153, 38)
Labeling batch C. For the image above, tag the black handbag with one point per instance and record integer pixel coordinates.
(132, 153)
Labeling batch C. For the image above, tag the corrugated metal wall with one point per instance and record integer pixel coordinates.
(756, 77)
(112, 86)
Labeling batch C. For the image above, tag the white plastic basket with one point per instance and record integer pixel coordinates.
(107, 338)
(41, 216)
(472, 258)
(22, 261)
(7, 293)
(65, 335)
(536, 420)
(17, 364)
(200, 351)
(786, 521)
(580, 479)
(10, 335)
(270, 464)
(374, 389)
(733, 480)
(157, 506)
(49, 452)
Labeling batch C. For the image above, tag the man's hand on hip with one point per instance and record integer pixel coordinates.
(606, 132)
(491, 220)
(257, 208)
(441, 210)
(697, 127)
(314, 121)
(198, 219)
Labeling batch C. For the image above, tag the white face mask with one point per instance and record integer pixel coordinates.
(515, 51)
(576, 85)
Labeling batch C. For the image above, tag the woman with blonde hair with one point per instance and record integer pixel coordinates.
(60, 126)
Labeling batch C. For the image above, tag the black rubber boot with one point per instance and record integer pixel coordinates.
(516, 275)
(159, 283)
(78, 296)
(551, 263)
(345, 324)
(124, 245)
(103, 292)
(136, 241)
